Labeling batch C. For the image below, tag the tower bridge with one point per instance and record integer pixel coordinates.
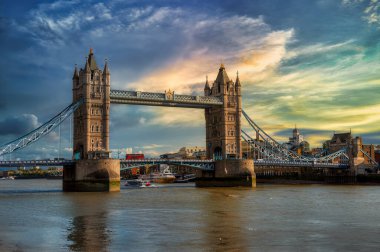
(92, 169)
(221, 102)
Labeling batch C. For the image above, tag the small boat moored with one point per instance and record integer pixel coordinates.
(133, 182)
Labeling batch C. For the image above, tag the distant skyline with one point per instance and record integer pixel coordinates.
(313, 63)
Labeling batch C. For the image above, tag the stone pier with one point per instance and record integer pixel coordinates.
(92, 175)
(229, 173)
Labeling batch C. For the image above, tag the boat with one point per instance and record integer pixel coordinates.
(160, 177)
(8, 178)
(147, 184)
(133, 182)
(185, 178)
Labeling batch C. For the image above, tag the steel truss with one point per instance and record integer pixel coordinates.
(41, 131)
(270, 149)
(369, 158)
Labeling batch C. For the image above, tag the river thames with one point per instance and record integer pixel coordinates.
(35, 215)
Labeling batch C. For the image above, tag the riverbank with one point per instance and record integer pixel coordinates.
(371, 179)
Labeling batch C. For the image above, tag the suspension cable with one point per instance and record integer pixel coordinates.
(41, 131)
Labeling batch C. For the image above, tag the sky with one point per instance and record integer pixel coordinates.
(314, 64)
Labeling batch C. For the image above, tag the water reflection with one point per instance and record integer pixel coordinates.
(88, 229)
(224, 227)
(89, 233)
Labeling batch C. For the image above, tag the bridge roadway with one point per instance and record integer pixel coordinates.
(207, 165)
(124, 164)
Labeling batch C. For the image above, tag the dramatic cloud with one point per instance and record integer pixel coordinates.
(18, 125)
(313, 64)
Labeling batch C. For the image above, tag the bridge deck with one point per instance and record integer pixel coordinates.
(28, 163)
(198, 164)
(163, 99)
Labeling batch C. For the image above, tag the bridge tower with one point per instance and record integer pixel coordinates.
(223, 134)
(94, 170)
(91, 120)
(223, 131)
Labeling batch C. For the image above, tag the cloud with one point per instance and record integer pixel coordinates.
(19, 125)
(149, 147)
(244, 43)
(323, 86)
(325, 83)
(370, 8)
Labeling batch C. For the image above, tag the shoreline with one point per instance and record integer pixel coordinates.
(312, 182)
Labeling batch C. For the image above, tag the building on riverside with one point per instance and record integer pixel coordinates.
(362, 153)
(187, 152)
(297, 143)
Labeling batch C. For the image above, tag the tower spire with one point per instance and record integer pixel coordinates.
(91, 60)
(87, 66)
(76, 74)
(207, 86)
(237, 82)
(106, 71)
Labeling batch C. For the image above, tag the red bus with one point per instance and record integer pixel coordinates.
(134, 156)
(134, 171)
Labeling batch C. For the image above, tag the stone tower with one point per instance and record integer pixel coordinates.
(223, 136)
(93, 169)
(223, 130)
(91, 120)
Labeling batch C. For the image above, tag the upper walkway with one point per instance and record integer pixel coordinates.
(168, 99)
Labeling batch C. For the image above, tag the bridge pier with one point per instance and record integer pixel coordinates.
(92, 175)
(228, 173)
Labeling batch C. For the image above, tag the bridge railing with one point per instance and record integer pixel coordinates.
(26, 163)
(165, 160)
(163, 99)
(207, 165)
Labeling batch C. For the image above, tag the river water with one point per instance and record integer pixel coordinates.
(35, 215)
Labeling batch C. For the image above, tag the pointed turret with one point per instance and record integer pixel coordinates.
(222, 77)
(207, 87)
(91, 60)
(106, 71)
(237, 82)
(87, 66)
(76, 74)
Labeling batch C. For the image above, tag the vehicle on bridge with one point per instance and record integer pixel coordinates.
(139, 156)
(134, 156)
